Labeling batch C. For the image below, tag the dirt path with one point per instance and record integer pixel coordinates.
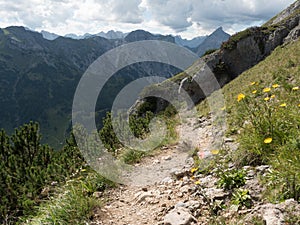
(153, 189)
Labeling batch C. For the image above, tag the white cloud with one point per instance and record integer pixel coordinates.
(173, 14)
(186, 17)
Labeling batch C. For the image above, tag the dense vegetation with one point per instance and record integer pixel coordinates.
(139, 126)
(34, 177)
(27, 167)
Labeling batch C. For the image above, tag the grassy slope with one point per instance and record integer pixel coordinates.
(262, 114)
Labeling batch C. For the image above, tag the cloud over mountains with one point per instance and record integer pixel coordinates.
(161, 16)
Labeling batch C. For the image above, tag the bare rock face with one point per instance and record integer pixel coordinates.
(286, 13)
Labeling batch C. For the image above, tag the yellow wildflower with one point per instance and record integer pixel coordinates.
(283, 105)
(272, 96)
(240, 97)
(193, 170)
(253, 83)
(254, 92)
(275, 85)
(267, 89)
(268, 140)
(295, 88)
(197, 182)
(266, 98)
(214, 151)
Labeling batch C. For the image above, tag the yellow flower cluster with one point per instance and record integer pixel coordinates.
(268, 96)
(240, 97)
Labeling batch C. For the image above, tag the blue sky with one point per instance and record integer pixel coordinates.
(188, 18)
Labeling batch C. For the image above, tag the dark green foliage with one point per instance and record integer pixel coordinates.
(170, 111)
(26, 167)
(232, 179)
(107, 134)
(138, 123)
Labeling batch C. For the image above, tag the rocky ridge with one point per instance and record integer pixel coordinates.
(242, 51)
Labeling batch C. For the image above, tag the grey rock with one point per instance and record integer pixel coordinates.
(180, 173)
(215, 193)
(97, 194)
(141, 196)
(181, 204)
(193, 205)
(167, 158)
(179, 216)
(274, 214)
(208, 181)
(262, 169)
(167, 180)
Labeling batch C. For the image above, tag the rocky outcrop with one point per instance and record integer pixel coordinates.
(247, 48)
(241, 52)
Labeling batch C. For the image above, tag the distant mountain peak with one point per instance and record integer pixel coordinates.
(213, 41)
(219, 31)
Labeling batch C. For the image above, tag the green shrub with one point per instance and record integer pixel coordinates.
(231, 179)
(26, 167)
(108, 136)
(241, 197)
(140, 124)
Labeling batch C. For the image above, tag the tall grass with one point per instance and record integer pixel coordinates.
(73, 203)
(263, 108)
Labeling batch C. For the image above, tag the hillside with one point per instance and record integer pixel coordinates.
(232, 159)
(39, 77)
(250, 180)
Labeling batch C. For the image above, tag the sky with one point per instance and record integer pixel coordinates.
(188, 18)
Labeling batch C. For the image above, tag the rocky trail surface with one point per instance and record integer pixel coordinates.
(164, 191)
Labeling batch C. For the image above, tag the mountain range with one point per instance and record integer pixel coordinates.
(213, 40)
(38, 76)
